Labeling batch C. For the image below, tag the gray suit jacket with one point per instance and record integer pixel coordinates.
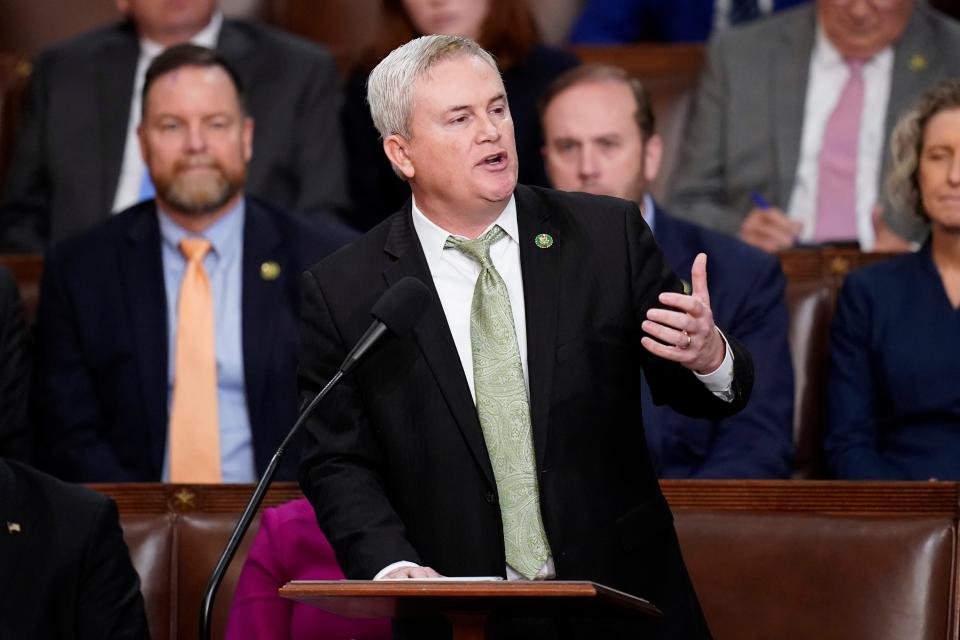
(747, 118)
(66, 166)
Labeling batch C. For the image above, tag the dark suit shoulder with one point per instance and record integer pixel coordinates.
(936, 23)
(881, 275)
(73, 502)
(309, 237)
(91, 245)
(573, 204)
(261, 36)
(548, 60)
(76, 50)
(725, 247)
(355, 256)
(766, 34)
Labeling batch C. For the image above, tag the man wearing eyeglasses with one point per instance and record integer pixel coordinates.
(787, 141)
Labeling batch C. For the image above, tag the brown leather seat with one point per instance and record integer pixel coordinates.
(200, 540)
(15, 70)
(769, 559)
(809, 303)
(802, 576)
(150, 540)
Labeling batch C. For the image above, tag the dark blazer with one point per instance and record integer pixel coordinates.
(747, 116)
(102, 383)
(894, 393)
(67, 161)
(396, 465)
(66, 569)
(16, 438)
(747, 289)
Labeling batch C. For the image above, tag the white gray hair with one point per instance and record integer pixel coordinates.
(906, 145)
(390, 85)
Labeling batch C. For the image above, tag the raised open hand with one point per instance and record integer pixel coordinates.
(686, 333)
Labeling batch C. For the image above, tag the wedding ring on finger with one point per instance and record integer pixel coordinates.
(689, 341)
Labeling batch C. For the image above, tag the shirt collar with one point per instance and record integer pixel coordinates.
(206, 37)
(433, 237)
(225, 233)
(649, 211)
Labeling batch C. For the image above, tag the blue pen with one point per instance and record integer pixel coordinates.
(758, 200)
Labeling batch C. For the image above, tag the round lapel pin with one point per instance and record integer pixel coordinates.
(918, 62)
(543, 240)
(269, 270)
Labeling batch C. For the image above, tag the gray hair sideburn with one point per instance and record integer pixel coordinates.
(390, 85)
(906, 145)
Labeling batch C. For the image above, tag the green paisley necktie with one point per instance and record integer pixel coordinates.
(503, 408)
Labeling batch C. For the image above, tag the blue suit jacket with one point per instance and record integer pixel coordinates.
(747, 297)
(102, 379)
(894, 394)
(622, 21)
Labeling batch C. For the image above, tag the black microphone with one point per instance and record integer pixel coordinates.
(397, 311)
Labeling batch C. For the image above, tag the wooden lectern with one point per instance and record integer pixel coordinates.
(468, 604)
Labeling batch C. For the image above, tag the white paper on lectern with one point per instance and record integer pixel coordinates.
(446, 579)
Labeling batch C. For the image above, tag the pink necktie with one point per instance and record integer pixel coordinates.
(837, 181)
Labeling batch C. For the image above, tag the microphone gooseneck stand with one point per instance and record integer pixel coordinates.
(206, 610)
(396, 312)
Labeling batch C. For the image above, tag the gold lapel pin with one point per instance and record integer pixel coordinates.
(686, 287)
(543, 240)
(918, 62)
(269, 270)
(13, 527)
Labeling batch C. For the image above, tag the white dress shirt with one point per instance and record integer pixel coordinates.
(132, 169)
(828, 76)
(455, 277)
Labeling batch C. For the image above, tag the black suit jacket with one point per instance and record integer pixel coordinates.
(102, 381)
(67, 161)
(396, 464)
(66, 569)
(15, 434)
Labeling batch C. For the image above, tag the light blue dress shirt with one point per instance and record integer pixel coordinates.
(224, 265)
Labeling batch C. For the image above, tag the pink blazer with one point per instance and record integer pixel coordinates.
(290, 546)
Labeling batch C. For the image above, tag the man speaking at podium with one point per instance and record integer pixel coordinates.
(504, 438)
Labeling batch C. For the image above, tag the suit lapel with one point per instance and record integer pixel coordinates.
(233, 43)
(675, 250)
(789, 71)
(19, 538)
(541, 282)
(916, 66)
(260, 298)
(145, 298)
(434, 338)
(116, 69)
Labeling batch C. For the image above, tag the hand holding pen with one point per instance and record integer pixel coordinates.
(768, 228)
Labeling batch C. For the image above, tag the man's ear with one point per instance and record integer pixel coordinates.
(397, 149)
(652, 156)
(141, 138)
(248, 124)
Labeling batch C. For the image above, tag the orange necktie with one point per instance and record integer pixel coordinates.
(194, 428)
